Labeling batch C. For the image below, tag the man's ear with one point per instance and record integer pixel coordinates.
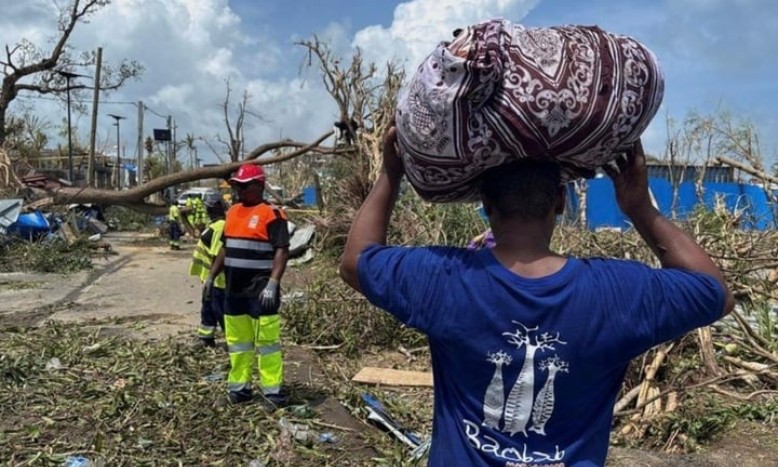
(561, 198)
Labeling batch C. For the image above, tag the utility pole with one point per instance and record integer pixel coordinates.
(68, 76)
(90, 170)
(139, 155)
(173, 142)
(169, 155)
(117, 118)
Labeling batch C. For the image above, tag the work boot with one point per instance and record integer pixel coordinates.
(207, 342)
(275, 401)
(240, 397)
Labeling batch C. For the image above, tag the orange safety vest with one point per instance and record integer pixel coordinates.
(248, 251)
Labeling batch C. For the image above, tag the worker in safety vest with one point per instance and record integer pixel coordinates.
(256, 249)
(191, 217)
(200, 216)
(174, 227)
(208, 246)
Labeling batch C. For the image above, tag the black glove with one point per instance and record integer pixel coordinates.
(208, 289)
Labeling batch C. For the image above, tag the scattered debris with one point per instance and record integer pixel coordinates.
(300, 433)
(54, 364)
(46, 182)
(91, 348)
(390, 377)
(301, 240)
(327, 437)
(78, 461)
(9, 213)
(306, 257)
(31, 223)
(377, 413)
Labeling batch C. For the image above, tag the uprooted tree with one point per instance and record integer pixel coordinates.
(26, 67)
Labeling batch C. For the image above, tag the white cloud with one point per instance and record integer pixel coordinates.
(419, 25)
(190, 47)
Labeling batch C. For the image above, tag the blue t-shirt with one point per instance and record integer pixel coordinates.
(527, 371)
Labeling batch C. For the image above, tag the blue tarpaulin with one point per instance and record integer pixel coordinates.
(30, 225)
(309, 196)
(751, 202)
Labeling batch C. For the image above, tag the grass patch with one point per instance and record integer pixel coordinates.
(49, 256)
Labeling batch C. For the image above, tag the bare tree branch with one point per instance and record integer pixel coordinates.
(213, 149)
(721, 160)
(27, 60)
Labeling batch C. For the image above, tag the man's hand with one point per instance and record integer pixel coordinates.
(208, 289)
(393, 164)
(630, 180)
(268, 299)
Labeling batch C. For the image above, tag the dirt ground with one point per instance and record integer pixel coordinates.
(146, 292)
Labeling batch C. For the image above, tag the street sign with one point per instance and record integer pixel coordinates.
(161, 134)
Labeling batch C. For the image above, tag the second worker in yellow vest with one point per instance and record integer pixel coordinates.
(208, 247)
(254, 257)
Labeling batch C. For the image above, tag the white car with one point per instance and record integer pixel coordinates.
(201, 193)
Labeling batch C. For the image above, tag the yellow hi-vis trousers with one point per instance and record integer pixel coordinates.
(247, 336)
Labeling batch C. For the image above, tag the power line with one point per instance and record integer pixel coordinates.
(134, 104)
(146, 107)
(81, 101)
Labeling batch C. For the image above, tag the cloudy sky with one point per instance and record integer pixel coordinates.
(716, 54)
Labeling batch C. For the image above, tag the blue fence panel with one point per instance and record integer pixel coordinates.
(309, 196)
(730, 194)
(601, 208)
(759, 211)
(686, 200)
(761, 214)
(571, 203)
(662, 190)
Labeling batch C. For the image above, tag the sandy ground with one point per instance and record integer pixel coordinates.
(141, 290)
(147, 294)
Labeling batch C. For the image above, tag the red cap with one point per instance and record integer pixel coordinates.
(247, 173)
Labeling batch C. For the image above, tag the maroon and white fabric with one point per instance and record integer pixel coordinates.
(576, 94)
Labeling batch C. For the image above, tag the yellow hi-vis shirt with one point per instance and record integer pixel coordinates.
(206, 250)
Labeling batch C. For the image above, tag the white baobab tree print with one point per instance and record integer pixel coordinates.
(544, 403)
(494, 402)
(518, 406)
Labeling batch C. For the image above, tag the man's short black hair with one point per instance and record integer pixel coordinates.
(526, 189)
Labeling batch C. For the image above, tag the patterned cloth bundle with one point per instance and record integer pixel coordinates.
(501, 91)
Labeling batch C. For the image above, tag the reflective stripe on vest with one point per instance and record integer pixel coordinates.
(203, 256)
(260, 264)
(248, 244)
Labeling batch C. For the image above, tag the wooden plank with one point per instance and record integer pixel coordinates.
(390, 377)
(69, 232)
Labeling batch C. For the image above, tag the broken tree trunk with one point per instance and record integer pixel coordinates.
(134, 197)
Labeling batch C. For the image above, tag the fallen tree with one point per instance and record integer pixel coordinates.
(134, 198)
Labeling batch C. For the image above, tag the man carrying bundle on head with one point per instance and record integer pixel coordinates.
(529, 348)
